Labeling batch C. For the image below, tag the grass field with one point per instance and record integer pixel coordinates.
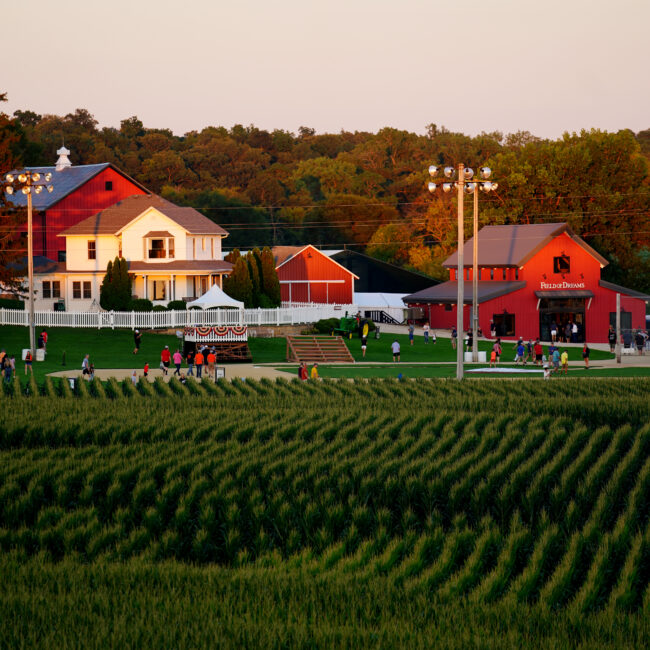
(114, 349)
(418, 371)
(326, 514)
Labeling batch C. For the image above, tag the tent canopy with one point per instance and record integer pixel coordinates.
(215, 297)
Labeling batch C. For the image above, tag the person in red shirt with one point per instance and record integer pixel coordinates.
(212, 359)
(165, 358)
(198, 362)
(146, 369)
(538, 352)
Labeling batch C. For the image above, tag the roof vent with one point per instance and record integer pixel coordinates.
(63, 160)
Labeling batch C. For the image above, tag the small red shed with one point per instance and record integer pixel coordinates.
(307, 275)
(529, 278)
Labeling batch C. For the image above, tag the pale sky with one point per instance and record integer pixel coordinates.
(547, 66)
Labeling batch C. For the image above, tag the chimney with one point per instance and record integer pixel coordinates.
(63, 160)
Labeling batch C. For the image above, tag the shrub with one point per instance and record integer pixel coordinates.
(177, 305)
(12, 303)
(141, 304)
(326, 325)
(158, 308)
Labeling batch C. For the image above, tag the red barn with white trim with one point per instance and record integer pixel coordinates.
(307, 275)
(531, 276)
(80, 191)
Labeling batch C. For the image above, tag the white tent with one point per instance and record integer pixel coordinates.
(390, 303)
(215, 297)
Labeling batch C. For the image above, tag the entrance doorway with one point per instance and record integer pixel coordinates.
(504, 324)
(562, 312)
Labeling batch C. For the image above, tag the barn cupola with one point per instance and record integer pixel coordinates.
(63, 160)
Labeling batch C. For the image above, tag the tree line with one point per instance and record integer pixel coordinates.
(368, 190)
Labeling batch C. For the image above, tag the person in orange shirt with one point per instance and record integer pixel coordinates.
(198, 362)
(212, 359)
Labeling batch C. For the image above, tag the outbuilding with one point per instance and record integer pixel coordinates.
(308, 275)
(531, 277)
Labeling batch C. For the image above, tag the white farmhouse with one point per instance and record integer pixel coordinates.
(173, 252)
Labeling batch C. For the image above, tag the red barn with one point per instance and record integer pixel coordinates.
(307, 275)
(531, 276)
(80, 191)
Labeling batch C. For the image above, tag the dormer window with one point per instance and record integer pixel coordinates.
(159, 245)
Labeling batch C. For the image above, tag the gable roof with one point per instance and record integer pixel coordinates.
(516, 244)
(289, 252)
(65, 181)
(115, 218)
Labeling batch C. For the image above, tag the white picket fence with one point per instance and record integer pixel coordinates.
(294, 315)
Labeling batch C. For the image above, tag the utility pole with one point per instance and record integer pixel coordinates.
(460, 275)
(30, 272)
(618, 328)
(475, 282)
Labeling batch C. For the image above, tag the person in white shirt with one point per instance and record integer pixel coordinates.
(396, 350)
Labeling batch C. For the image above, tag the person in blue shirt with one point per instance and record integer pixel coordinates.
(520, 353)
(556, 359)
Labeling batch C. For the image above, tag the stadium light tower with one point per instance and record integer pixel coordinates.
(465, 184)
(28, 182)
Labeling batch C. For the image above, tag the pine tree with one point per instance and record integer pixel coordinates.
(254, 273)
(124, 283)
(270, 281)
(107, 290)
(238, 284)
(233, 256)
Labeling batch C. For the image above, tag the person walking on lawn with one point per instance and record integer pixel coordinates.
(165, 359)
(564, 358)
(178, 359)
(198, 362)
(411, 333)
(585, 355)
(212, 360)
(395, 347)
(137, 336)
(190, 363)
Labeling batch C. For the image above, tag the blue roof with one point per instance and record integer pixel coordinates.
(65, 181)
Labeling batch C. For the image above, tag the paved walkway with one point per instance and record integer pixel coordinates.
(242, 370)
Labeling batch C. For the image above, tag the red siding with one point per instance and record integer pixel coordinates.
(538, 271)
(87, 200)
(314, 277)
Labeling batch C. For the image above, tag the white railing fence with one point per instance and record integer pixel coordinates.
(292, 315)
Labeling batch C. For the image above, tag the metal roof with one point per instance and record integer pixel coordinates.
(619, 289)
(212, 266)
(447, 292)
(65, 181)
(514, 245)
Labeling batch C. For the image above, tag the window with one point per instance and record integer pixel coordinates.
(87, 291)
(504, 274)
(562, 264)
(60, 256)
(108, 186)
(51, 289)
(516, 274)
(202, 243)
(170, 243)
(448, 307)
(76, 290)
(92, 251)
(157, 249)
(491, 274)
(212, 247)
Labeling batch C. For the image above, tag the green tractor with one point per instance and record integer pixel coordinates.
(350, 325)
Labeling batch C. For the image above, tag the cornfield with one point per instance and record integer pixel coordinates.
(379, 505)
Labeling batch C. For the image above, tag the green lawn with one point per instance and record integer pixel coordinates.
(380, 350)
(410, 371)
(107, 348)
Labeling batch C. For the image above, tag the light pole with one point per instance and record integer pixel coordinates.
(28, 182)
(464, 184)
